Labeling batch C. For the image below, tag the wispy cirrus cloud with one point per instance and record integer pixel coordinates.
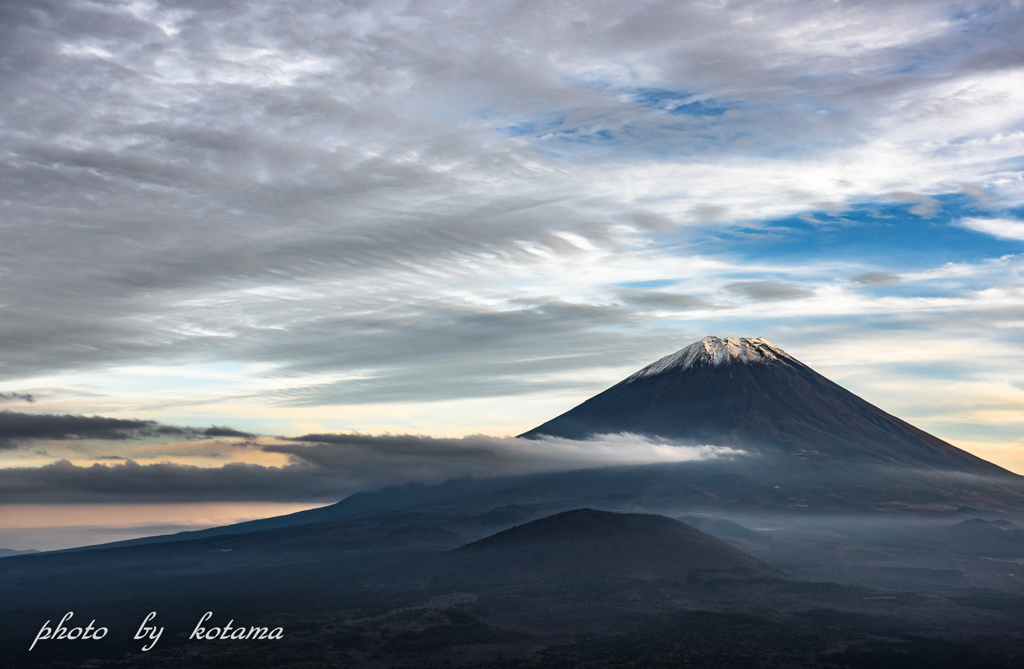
(269, 210)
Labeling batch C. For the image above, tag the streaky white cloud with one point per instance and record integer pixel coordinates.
(1004, 228)
(420, 458)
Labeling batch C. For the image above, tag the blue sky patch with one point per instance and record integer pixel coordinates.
(681, 102)
(885, 235)
(657, 283)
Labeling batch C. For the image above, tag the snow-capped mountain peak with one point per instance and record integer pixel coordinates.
(749, 394)
(714, 351)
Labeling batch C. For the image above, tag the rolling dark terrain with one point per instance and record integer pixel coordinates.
(573, 588)
(840, 537)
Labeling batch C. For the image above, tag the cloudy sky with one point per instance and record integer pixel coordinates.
(222, 223)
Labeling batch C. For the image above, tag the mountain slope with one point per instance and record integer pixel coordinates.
(751, 394)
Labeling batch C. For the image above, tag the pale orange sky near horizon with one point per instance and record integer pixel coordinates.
(57, 526)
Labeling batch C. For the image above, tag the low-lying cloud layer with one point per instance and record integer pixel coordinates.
(326, 468)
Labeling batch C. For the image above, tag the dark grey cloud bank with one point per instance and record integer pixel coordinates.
(65, 483)
(301, 182)
(768, 290)
(327, 467)
(19, 428)
(877, 279)
(17, 397)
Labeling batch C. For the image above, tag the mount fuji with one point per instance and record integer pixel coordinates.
(802, 442)
(750, 394)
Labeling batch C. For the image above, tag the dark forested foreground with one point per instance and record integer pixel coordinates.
(584, 588)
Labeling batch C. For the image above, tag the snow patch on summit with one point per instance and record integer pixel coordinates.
(715, 351)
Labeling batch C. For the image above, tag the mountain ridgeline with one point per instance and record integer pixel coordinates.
(750, 394)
